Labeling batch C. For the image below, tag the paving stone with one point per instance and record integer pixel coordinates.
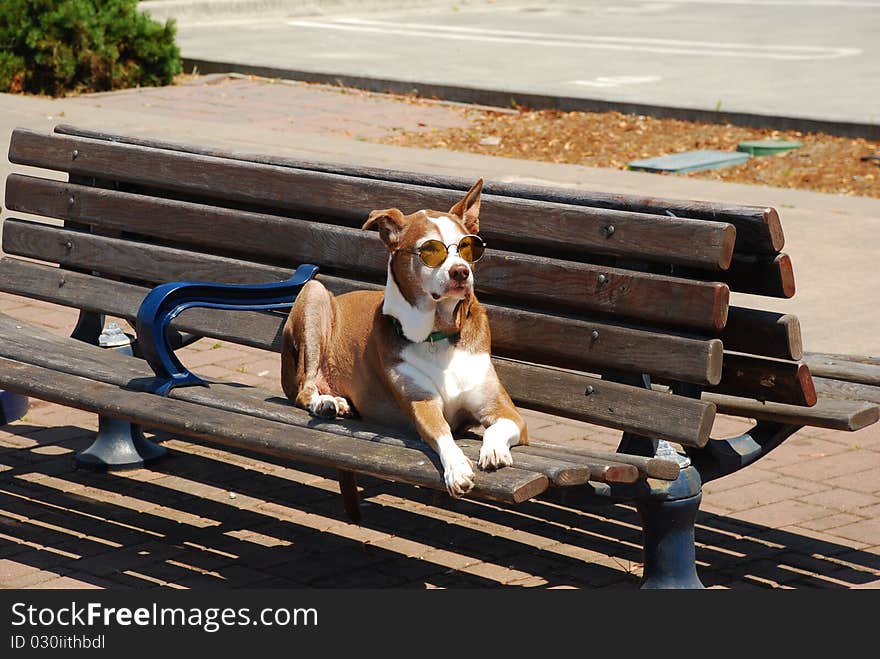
(867, 482)
(866, 531)
(31, 579)
(824, 542)
(841, 499)
(757, 494)
(831, 521)
(851, 462)
(85, 582)
(782, 513)
(871, 585)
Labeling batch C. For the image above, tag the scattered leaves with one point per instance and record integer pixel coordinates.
(826, 163)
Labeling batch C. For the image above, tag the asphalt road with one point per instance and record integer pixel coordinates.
(813, 59)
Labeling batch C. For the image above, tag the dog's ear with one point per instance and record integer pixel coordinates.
(468, 209)
(391, 222)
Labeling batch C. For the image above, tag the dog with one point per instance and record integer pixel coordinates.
(414, 356)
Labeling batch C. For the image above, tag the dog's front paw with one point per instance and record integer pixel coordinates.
(495, 453)
(497, 440)
(459, 477)
(329, 407)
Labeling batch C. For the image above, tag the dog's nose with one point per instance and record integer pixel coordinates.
(459, 272)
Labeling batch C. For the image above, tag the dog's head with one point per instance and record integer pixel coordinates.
(426, 261)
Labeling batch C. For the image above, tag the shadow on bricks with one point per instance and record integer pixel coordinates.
(205, 516)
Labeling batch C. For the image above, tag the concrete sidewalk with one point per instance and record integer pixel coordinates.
(808, 516)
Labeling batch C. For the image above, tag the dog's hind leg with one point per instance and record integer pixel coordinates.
(304, 353)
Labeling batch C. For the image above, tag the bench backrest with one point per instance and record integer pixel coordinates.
(576, 284)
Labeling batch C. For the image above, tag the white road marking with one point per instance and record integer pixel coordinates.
(616, 81)
(638, 44)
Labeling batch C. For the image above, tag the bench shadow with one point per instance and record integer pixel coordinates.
(207, 516)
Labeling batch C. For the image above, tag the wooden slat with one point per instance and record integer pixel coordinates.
(765, 333)
(766, 380)
(758, 274)
(550, 339)
(613, 405)
(503, 220)
(509, 485)
(530, 280)
(758, 228)
(762, 275)
(840, 367)
(648, 467)
(76, 358)
(570, 343)
(826, 413)
(842, 390)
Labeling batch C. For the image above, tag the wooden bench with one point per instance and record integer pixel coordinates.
(610, 309)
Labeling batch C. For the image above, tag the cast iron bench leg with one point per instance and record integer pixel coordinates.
(12, 407)
(119, 444)
(669, 554)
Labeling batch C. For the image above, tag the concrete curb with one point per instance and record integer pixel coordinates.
(185, 10)
(507, 98)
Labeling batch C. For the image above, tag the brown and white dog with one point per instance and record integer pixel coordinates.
(415, 356)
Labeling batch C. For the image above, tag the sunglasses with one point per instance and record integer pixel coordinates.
(433, 252)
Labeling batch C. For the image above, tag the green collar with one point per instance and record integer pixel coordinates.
(432, 337)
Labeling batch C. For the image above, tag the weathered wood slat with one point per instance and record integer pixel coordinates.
(614, 405)
(763, 333)
(842, 390)
(846, 415)
(758, 274)
(529, 280)
(840, 367)
(503, 220)
(766, 380)
(555, 340)
(509, 485)
(758, 228)
(772, 276)
(76, 358)
(583, 345)
(648, 467)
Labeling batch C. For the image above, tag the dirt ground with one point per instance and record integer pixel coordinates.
(825, 163)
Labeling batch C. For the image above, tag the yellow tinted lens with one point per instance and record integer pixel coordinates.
(471, 248)
(432, 253)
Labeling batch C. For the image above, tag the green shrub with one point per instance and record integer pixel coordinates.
(58, 46)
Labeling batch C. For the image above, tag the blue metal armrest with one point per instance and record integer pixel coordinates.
(166, 301)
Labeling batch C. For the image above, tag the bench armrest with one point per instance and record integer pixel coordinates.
(166, 301)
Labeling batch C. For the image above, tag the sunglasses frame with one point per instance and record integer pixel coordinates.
(418, 251)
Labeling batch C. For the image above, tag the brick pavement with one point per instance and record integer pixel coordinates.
(806, 516)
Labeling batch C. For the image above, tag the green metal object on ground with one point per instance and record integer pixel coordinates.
(767, 147)
(690, 161)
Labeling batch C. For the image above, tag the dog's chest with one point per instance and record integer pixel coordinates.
(458, 376)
